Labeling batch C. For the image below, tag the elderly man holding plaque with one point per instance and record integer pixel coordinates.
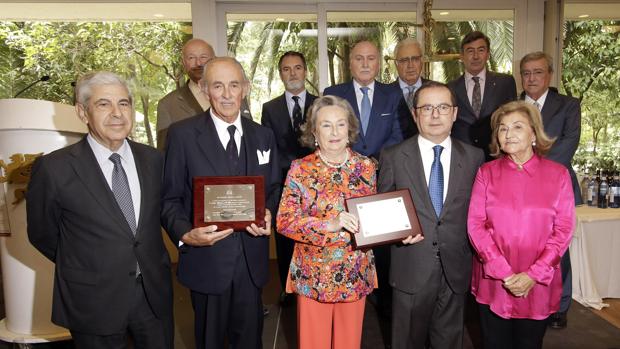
(330, 278)
(224, 268)
(430, 274)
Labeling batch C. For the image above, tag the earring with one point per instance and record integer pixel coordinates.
(316, 144)
(533, 143)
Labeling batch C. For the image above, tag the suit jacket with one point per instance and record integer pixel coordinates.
(498, 89)
(192, 151)
(562, 119)
(384, 125)
(407, 124)
(75, 221)
(401, 167)
(178, 105)
(276, 116)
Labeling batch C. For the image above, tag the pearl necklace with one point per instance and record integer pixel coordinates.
(329, 164)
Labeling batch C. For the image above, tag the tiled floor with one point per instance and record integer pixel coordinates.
(585, 329)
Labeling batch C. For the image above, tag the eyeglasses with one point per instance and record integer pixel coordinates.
(442, 109)
(536, 73)
(408, 60)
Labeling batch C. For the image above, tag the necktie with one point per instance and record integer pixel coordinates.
(122, 193)
(231, 147)
(297, 117)
(411, 90)
(365, 112)
(435, 183)
(476, 98)
(537, 105)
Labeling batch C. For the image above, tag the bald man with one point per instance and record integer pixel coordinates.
(187, 100)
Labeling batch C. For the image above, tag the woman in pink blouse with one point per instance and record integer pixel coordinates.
(521, 218)
(330, 278)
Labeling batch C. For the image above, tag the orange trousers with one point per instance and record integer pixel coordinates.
(329, 325)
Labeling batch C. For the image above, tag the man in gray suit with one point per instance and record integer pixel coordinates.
(188, 100)
(561, 119)
(430, 274)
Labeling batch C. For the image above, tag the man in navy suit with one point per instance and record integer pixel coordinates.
(561, 119)
(409, 62)
(94, 211)
(284, 115)
(224, 269)
(479, 93)
(374, 103)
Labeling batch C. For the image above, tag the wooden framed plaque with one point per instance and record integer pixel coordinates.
(384, 218)
(229, 202)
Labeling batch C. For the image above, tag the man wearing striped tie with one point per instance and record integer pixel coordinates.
(561, 117)
(93, 209)
(409, 61)
(430, 274)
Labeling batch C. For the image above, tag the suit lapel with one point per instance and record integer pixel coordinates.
(550, 108)
(284, 116)
(456, 169)
(379, 99)
(188, 101)
(489, 94)
(309, 100)
(208, 142)
(88, 170)
(415, 169)
(461, 95)
(146, 181)
(251, 147)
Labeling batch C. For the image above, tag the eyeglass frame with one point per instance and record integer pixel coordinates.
(408, 60)
(447, 111)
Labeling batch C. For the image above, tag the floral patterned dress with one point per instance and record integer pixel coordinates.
(324, 266)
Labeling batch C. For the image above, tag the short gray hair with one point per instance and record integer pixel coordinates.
(84, 86)
(221, 59)
(534, 56)
(307, 138)
(405, 42)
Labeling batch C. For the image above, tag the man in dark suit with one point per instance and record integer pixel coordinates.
(479, 93)
(562, 120)
(224, 269)
(409, 62)
(94, 210)
(374, 103)
(430, 274)
(187, 100)
(284, 115)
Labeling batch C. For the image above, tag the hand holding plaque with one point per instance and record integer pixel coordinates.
(234, 202)
(384, 218)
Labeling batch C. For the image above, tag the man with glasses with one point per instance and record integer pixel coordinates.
(561, 119)
(284, 115)
(409, 62)
(374, 103)
(430, 274)
(187, 100)
(479, 92)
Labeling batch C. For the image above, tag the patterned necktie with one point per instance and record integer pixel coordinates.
(122, 193)
(231, 148)
(435, 183)
(537, 105)
(297, 117)
(365, 112)
(411, 90)
(476, 98)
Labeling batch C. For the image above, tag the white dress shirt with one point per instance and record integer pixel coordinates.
(405, 88)
(428, 156)
(102, 154)
(200, 97)
(221, 127)
(540, 101)
(469, 85)
(359, 95)
(290, 103)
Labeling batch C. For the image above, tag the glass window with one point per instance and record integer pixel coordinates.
(258, 41)
(452, 25)
(385, 29)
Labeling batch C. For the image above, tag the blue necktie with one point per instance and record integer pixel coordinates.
(435, 183)
(365, 112)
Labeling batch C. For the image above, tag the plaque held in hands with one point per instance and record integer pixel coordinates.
(384, 218)
(229, 202)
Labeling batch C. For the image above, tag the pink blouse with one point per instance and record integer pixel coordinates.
(520, 220)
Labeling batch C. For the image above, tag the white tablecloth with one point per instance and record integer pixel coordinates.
(595, 256)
